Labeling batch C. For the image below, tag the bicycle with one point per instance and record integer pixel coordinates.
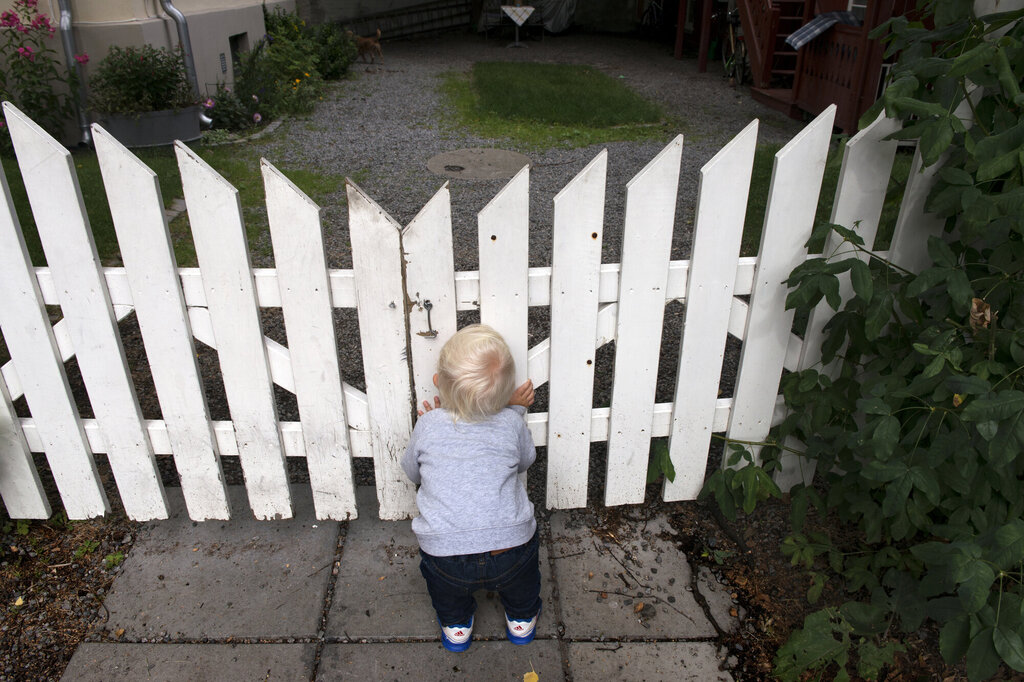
(735, 61)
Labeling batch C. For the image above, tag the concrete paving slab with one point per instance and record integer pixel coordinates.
(381, 593)
(483, 661)
(720, 602)
(632, 584)
(239, 578)
(646, 662)
(193, 662)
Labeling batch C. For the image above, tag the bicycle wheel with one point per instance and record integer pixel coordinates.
(741, 63)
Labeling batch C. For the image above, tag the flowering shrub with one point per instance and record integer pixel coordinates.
(283, 74)
(136, 79)
(34, 78)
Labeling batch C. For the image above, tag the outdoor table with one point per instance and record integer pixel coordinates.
(518, 14)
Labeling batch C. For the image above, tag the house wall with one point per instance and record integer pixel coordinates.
(100, 24)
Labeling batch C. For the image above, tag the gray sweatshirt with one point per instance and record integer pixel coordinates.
(470, 497)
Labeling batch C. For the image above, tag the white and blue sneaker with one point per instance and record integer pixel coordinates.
(457, 638)
(521, 631)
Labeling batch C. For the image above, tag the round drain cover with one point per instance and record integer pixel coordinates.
(478, 164)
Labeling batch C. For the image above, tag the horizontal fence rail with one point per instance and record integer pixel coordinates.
(396, 271)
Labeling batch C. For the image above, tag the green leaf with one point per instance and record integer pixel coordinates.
(956, 176)
(873, 406)
(1003, 406)
(968, 384)
(872, 658)
(976, 579)
(884, 471)
(860, 277)
(934, 367)
(954, 639)
(887, 434)
(927, 481)
(988, 429)
(896, 494)
(982, 657)
(940, 252)
(823, 639)
(1010, 647)
(866, 619)
(1009, 545)
(935, 140)
(878, 316)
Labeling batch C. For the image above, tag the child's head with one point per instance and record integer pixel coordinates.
(476, 374)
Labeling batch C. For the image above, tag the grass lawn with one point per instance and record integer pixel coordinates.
(238, 163)
(545, 105)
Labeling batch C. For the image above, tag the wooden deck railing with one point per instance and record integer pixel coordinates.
(760, 21)
(832, 70)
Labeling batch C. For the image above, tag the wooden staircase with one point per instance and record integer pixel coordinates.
(773, 63)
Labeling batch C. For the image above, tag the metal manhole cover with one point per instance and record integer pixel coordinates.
(478, 164)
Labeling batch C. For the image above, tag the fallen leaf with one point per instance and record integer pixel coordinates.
(590, 575)
(19, 601)
(604, 595)
(120, 632)
(531, 677)
(639, 607)
(380, 578)
(958, 400)
(733, 612)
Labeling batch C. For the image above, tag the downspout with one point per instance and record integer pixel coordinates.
(186, 48)
(67, 40)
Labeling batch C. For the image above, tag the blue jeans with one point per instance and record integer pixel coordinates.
(514, 574)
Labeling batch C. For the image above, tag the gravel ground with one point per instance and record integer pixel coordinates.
(382, 126)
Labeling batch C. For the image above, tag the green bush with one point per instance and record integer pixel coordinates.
(136, 79)
(917, 431)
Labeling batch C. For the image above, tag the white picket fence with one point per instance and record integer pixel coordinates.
(395, 271)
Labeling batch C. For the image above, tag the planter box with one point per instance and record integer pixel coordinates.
(153, 128)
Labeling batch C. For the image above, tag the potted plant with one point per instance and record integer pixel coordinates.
(143, 98)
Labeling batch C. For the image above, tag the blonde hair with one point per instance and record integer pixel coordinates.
(476, 374)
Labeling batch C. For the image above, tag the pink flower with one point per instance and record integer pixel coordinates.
(27, 53)
(82, 58)
(42, 21)
(256, 118)
(29, 4)
(9, 19)
(208, 103)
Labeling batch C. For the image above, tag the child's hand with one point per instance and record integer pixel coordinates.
(437, 404)
(523, 395)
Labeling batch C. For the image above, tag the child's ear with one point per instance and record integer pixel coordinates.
(435, 378)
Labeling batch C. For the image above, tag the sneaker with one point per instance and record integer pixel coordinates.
(456, 638)
(521, 631)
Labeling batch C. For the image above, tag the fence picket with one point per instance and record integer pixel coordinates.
(223, 253)
(63, 227)
(503, 229)
(647, 243)
(20, 487)
(308, 315)
(575, 274)
(860, 195)
(718, 228)
(380, 296)
(429, 276)
(137, 209)
(788, 221)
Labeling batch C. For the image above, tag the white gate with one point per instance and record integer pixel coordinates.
(395, 273)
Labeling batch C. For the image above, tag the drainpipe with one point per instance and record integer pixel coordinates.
(67, 39)
(186, 48)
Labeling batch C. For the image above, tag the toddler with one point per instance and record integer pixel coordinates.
(476, 527)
